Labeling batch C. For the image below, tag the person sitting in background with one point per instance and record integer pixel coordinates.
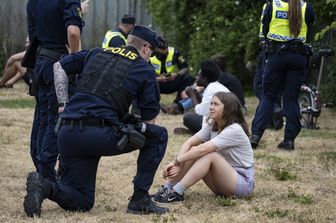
(172, 71)
(117, 37)
(207, 78)
(13, 70)
(228, 80)
(220, 154)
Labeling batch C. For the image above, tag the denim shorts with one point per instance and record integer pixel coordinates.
(245, 182)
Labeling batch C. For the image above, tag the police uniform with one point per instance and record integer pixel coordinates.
(31, 20)
(110, 79)
(170, 63)
(117, 37)
(276, 121)
(51, 32)
(287, 59)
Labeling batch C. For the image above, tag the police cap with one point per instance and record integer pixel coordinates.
(209, 70)
(146, 34)
(128, 19)
(163, 44)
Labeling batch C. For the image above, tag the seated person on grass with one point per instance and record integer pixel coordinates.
(220, 154)
(207, 78)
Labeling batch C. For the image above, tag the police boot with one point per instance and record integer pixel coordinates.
(277, 119)
(254, 140)
(37, 190)
(286, 145)
(145, 206)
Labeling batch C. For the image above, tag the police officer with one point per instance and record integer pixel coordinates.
(172, 70)
(276, 122)
(285, 25)
(117, 37)
(58, 32)
(94, 123)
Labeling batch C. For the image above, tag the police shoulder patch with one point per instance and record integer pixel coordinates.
(80, 13)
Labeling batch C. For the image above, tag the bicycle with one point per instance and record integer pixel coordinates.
(310, 95)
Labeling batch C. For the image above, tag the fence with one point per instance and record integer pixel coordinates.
(103, 15)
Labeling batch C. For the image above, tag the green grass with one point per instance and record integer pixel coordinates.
(324, 134)
(271, 158)
(328, 156)
(225, 201)
(17, 103)
(300, 199)
(277, 213)
(283, 174)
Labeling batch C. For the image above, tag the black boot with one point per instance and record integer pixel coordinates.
(37, 190)
(145, 206)
(286, 145)
(254, 140)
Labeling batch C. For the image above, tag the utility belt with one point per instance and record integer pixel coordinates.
(293, 46)
(54, 54)
(131, 139)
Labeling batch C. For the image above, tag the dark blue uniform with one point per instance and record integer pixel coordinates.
(51, 31)
(31, 22)
(82, 146)
(283, 69)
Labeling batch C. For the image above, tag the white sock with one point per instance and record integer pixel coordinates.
(179, 188)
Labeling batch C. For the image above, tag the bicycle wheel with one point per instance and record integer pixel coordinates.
(306, 113)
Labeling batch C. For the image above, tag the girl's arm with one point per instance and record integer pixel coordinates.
(196, 152)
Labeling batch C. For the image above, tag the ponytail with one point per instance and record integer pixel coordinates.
(295, 17)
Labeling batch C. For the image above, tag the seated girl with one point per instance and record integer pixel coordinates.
(220, 154)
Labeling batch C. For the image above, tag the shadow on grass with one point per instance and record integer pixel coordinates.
(17, 103)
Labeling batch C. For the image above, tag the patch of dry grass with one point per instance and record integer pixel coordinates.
(298, 186)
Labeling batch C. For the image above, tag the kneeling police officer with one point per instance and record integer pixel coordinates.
(95, 123)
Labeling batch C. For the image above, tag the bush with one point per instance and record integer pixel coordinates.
(201, 28)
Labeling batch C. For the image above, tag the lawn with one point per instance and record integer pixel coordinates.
(298, 186)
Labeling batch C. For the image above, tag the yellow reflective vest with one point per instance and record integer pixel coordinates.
(261, 34)
(170, 67)
(279, 25)
(109, 35)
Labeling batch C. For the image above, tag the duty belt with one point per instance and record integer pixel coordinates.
(87, 122)
(287, 47)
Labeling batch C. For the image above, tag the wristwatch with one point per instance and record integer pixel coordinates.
(62, 104)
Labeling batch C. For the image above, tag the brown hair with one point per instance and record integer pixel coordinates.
(232, 112)
(295, 17)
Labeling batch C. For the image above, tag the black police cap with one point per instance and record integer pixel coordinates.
(128, 19)
(163, 44)
(145, 33)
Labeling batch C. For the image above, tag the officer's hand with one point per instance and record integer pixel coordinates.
(61, 109)
(199, 89)
(171, 77)
(190, 91)
(184, 95)
(85, 6)
(161, 79)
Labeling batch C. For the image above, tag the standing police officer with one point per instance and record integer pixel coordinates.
(276, 121)
(95, 124)
(117, 37)
(58, 26)
(285, 25)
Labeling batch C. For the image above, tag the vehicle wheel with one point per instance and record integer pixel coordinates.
(306, 113)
